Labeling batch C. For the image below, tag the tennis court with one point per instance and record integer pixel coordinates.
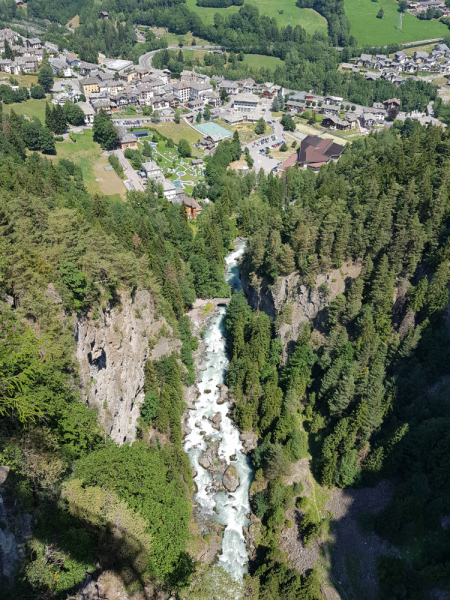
(213, 129)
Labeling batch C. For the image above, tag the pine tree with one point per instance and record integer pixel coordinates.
(287, 260)
(270, 404)
(45, 76)
(59, 120)
(329, 470)
(46, 141)
(437, 296)
(354, 300)
(49, 121)
(9, 54)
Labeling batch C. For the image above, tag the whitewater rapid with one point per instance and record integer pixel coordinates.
(228, 509)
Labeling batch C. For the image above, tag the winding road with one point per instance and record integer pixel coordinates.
(145, 60)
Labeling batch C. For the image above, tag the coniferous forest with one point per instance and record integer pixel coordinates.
(364, 391)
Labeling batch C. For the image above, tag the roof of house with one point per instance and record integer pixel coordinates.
(191, 202)
(128, 138)
(337, 121)
(89, 81)
(150, 166)
(87, 108)
(314, 149)
(290, 162)
(246, 97)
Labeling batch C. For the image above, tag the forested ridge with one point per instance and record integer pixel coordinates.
(364, 392)
(59, 241)
(372, 397)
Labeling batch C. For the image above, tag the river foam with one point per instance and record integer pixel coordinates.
(228, 509)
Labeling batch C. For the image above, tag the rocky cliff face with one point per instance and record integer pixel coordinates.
(112, 350)
(294, 303)
(15, 530)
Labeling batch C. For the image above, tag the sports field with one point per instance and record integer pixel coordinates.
(367, 29)
(306, 17)
(213, 128)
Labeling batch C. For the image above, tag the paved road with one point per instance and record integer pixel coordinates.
(130, 173)
(262, 161)
(145, 60)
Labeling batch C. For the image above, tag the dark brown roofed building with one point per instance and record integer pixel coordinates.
(314, 152)
(193, 208)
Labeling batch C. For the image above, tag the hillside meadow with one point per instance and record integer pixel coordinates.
(290, 15)
(367, 29)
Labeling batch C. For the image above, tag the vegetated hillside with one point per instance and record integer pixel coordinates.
(284, 12)
(74, 262)
(380, 32)
(372, 395)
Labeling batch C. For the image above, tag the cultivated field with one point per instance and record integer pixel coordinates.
(367, 29)
(306, 17)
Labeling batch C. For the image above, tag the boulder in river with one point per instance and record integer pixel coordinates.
(223, 393)
(230, 479)
(216, 420)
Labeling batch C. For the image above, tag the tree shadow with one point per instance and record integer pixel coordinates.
(354, 548)
(71, 548)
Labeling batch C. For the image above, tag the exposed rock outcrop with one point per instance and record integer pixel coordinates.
(15, 530)
(216, 420)
(224, 397)
(252, 535)
(249, 440)
(210, 459)
(111, 351)
(295, 303)
(230, 479)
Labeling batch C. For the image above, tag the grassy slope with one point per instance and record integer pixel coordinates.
(177, 132)
(377, 32)
(258, 61)
(30, 108)
(292, 15)
(88, 155)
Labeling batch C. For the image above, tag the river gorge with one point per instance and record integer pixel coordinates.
(213, 431)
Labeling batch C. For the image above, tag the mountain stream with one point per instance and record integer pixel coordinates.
(230, 509)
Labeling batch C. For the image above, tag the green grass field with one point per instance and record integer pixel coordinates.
(367, 29)
(258, 61)
(177, 132)
(88, 155)
(306, 17)
(30, 108)
(172, 39)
